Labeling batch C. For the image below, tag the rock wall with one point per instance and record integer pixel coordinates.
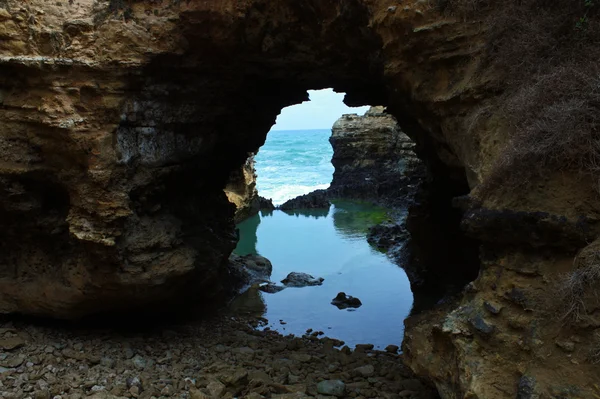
(121, 122)
(373, 158)
(241, 191)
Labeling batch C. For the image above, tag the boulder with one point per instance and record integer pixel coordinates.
(295, 279)
(343, 301)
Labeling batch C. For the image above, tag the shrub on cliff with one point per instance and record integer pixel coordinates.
(546, 53)
(579, 289)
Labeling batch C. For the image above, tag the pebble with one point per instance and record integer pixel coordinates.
(331, 387)
(11, 343)
(139, 362)
(224, 358)
(134, 391)
(365, 371)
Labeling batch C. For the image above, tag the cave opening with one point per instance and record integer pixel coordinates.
(324, 230)
(296, 158)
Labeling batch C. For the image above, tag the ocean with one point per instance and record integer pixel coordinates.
(293, 163)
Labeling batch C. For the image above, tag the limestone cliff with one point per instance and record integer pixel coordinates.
(241, 191)
(121, 122)
(373, 158)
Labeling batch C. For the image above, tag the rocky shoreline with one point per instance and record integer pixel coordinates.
(222, 357)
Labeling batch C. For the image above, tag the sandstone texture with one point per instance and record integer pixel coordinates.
(241, 191)
(121, 122)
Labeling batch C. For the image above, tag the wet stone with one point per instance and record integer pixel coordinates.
(271, 288)
(295, 279)
(364, 347)
(343, 301)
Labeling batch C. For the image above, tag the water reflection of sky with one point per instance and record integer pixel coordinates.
(330, 244)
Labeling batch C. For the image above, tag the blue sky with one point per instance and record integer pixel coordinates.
(323, 109)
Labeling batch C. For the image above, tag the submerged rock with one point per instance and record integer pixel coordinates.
(295, 279)
(318, 199)
(343, 301)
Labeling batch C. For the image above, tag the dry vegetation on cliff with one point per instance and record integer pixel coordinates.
(547, 52)
(577, 287)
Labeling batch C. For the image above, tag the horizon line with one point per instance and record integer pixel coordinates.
(296, 130)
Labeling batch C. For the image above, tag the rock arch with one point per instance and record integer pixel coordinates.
(121, 121)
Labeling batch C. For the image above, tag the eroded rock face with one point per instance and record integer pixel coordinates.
(373, 158)
(121, 122)
(241, 191)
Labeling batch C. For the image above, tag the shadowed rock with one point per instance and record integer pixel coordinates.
(318, 199)
(295, 279)
(343, 301)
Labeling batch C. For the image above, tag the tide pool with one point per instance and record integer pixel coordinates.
(330, 244)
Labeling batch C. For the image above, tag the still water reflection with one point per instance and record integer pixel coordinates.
(330, 244)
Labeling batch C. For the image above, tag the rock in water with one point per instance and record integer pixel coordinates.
(249, 269)
(295, 279)
(266, 204)
(318, 199)
(331, 387)
(343, 301)
(271, 288)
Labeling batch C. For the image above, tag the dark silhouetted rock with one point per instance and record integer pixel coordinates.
(318, 199)
(343, 301)
(295, 279)
(265, 204)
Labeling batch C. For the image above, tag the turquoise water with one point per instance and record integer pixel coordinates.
(293, 163)
(330, 244)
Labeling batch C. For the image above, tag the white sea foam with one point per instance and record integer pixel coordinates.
(289, 165)
(282, 193)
